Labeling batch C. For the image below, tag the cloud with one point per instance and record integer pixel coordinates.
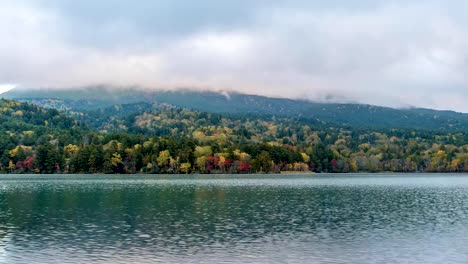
(393, 53)
(6, 87)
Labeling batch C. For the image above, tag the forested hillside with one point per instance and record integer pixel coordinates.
(163, 138)
(355, 115)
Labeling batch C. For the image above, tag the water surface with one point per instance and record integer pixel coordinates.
(234, 219)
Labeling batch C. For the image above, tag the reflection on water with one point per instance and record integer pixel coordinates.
(233, 219)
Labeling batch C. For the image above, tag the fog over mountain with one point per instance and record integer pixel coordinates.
(391, 53)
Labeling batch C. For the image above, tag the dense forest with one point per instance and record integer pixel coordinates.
(158, 137)
(356, 115)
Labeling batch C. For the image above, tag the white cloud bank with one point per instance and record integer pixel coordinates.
(392, 53)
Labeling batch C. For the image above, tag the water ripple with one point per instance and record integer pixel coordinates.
(234, 219)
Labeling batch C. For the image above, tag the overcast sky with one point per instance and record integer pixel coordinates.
(392, 52)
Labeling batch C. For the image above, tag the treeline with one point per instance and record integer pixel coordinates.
(167, 139)
(124, 153)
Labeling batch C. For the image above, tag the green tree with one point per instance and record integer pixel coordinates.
(263, 162)
(48, 159)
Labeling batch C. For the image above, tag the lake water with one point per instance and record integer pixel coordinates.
(234, 219)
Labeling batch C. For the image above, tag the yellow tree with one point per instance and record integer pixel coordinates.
(116, 159)
(305, 157)
(203, 151)
(455, 164)
(201, 163)
(71, 150)
(173, 164)
(185, 167)
(221, 162)
(353, 165)
(11, 166)
(163, 159)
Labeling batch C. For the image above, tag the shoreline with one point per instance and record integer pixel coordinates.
(284, 173)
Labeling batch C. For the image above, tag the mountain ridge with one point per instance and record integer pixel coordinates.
(342, 114)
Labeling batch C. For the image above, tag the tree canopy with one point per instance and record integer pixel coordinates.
(162, 138)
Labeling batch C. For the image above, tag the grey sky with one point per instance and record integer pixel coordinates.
(393, 53)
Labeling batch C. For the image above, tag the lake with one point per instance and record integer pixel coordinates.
(234, 219)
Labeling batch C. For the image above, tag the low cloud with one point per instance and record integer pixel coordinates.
(392, 53)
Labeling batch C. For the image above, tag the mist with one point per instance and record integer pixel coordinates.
(389, 53)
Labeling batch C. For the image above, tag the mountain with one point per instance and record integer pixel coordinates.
(354, 115)
(162, 138)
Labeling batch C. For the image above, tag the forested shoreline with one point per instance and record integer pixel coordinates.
(160, 138)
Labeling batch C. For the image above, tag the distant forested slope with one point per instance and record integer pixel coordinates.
(355, 115)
